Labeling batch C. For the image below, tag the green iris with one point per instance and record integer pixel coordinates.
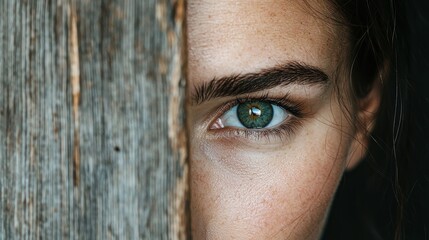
(255, 114)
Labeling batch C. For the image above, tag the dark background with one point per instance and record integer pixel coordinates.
(356, 200)
(417, 211)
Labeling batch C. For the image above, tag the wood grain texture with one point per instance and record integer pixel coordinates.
(92, 132)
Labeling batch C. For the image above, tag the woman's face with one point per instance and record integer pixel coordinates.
(269, 140)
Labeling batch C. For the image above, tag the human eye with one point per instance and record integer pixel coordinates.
(260, 117)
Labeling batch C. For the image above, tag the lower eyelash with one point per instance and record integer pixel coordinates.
(283, 132)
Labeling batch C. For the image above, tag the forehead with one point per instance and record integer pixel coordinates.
(230, 37)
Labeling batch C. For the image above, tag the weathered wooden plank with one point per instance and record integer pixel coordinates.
(92, 136)
(35, 121)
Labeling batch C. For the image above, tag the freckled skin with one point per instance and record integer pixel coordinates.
(265, 189)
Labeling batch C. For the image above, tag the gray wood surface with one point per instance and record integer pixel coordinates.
(92, 136)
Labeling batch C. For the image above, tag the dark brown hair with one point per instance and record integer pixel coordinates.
(370, 201)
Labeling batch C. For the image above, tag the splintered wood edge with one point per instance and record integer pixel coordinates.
(177, 126)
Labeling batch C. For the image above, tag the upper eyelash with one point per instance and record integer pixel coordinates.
(295, 109)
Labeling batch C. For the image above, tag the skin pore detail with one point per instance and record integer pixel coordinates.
(273, 182)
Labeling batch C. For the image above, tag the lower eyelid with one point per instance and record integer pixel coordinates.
(281, 134)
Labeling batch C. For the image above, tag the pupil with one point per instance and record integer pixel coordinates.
(255, 114)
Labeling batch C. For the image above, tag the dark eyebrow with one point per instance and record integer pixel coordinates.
(238, 84)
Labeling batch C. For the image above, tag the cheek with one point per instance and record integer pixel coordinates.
(243, 192)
